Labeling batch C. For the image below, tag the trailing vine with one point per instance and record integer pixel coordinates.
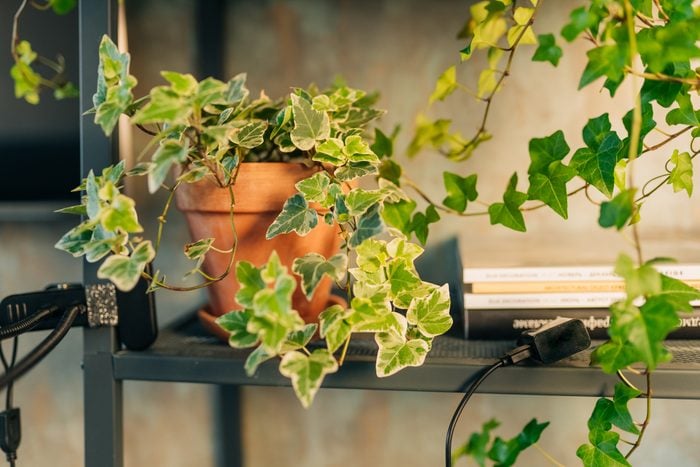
(647, 42)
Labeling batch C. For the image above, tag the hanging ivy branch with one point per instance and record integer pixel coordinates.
(28, 81)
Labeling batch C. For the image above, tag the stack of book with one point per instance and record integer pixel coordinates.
(501, 303)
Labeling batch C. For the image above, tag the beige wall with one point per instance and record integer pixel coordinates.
(397, 47)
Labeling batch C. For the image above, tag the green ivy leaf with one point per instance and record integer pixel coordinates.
(597, 166)
(681, 176)
(618, 211)
(124, 271)
(62, 7)
(421, 222)
(446, 84)
(550, 187)
(368, 225)
(662, 45)
(390, 170)
(639, 281)
(684, 114)
(477, 446)
(334, 326)
(547, 50)
(250, 136)
(648, 124)
(396, 352)
(614, 412)
(544, 151)
(662, 91)
(428, 133)
(399, 215)
(678, 293)
(522, 28)
(603, 451)
(508, 212)
(431, 313)
(296, 216)
(310, 126)
(312, 267)
(169, 153)
(307, 372)
(383, 145)
(236, 323)
(459, 190)
(606, 60)
(505, 453)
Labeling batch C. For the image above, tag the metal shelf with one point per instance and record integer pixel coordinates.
(185, 352)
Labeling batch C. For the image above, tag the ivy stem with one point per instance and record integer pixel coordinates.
(344, 353)
(547, 455)
(660, 76)
(662, 13)
(162, 219)
(670, 138)
(645, 423)
(506, 72)
(15, 30)
(636, 119)
(427, 199)
(624, 379)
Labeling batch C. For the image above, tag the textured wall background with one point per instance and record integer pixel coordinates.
(398, 47)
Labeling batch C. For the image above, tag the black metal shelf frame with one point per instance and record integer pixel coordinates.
(185, 353)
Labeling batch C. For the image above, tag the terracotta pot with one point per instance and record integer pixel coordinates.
(260, 192)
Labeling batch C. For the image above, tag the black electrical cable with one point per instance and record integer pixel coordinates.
(28, 323)
(44, 347)
(10, 451)
(514, 356)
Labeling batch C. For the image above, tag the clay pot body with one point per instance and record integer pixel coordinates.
(260, 192)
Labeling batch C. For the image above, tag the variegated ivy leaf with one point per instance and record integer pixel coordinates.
(445, 85)
(354, 170)
(331, 152)
(255, 359)
(182, 84)
(372, 254)
(164, 106)
(236, 324)
(114, 85)
(334, 326)
(315, 189)
(236, 89)
(358, 201)
(299, 338)
(92, 196)
(373, 315)
(313, 266)
(273, 270)
(272, 327)
(104, 242)
(251, 282)
(296, 216)
(322, 103)
(120, 214)
(402, 248)
(307, 372)
(431, 313)
(396, 352)
(210, 91)
(169, 152)
(402, 277)
(310, 125)
(251, 135)
(357, 150)
(124, 271)
(681, 176)
(74, 241)
(368, 225)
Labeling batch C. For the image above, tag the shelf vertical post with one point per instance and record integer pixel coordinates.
(227, 425)
(102, 393)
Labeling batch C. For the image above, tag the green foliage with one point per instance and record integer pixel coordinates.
(502, 452)
(114, 84)
(508, 212)
(307, 372)
(459, 190)
(548, 50)
(548, 176)
(312, 267)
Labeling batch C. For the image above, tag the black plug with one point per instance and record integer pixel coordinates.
(10, 432)
(558, 339)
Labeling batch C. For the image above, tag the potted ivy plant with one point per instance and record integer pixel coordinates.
(268, 173)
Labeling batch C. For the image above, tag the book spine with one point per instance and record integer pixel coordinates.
(509, 324)
(569, 273)
(548, 300)
(553, 286)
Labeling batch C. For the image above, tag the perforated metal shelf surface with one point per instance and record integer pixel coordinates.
(185, 352)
